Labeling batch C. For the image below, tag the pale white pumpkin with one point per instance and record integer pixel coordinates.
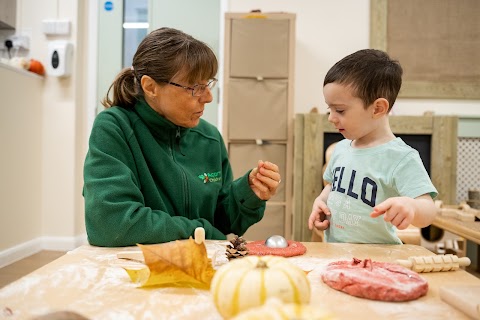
(248, 282)
(275, 309)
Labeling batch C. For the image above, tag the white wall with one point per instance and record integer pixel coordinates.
(58, 117)
(21, 160)
(57, 222)
(326, 32)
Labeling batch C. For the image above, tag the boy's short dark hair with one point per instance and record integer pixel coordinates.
(371, 74)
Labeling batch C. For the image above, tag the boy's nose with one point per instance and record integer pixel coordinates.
(331, 118)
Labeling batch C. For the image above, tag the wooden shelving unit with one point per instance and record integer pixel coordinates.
(258, 106)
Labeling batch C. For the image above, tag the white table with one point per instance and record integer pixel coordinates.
(90, 280)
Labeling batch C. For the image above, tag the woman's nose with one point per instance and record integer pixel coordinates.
(207, 96)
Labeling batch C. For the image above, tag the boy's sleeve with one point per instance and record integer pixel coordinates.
(327, 175)
(411, 178)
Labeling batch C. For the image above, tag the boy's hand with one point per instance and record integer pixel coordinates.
(318, 217)
(264, 179)
(399, 211)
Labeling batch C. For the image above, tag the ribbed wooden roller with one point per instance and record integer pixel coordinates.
(438, 263)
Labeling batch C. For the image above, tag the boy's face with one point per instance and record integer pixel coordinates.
(348, 114)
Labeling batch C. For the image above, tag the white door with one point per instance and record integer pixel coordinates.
(109, 46)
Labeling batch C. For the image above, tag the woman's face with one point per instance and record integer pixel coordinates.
(177, 104)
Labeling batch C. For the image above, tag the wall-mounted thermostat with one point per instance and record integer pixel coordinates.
(60, 56)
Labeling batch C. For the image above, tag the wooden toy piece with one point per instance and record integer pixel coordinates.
(199, 235)
(410, 235)
(457, 214)
(462, 212)
(475, 205)
(447, 262)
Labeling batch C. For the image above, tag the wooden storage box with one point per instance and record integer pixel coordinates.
(244, 156)
(272, 223)
(259, 47)
(258, 109)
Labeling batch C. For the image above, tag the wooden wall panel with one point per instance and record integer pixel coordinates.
(437, 43)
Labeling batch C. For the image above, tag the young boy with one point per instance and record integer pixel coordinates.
(376, 182)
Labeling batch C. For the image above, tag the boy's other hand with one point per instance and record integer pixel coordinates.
(399, 211)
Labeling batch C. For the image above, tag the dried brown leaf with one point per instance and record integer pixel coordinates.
(180, 263)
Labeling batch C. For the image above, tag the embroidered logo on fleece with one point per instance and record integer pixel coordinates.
(211, 177)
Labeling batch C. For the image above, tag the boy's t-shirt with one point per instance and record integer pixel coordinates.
(363, 178)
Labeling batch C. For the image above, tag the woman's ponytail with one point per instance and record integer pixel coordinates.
(124, 90)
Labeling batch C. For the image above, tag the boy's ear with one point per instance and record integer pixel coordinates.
(380, 107)
(149, 86)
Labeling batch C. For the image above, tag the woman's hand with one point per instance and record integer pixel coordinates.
(264, 179)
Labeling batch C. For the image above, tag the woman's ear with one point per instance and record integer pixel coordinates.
(149, 86)
(380, 108)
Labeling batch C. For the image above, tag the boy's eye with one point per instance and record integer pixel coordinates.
(340, 111)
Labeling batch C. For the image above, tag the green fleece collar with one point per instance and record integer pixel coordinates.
(156, 122)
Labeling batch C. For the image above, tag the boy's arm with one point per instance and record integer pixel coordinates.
(325, 192)
(403, 211)
(425, 212)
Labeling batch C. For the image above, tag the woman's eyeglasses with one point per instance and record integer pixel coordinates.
(197, 89)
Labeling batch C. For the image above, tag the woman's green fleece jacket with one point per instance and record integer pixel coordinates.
(147, 180)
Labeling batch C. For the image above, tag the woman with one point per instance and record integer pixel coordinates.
(155, 171)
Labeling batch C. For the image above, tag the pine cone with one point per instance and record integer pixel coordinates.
(236, 248)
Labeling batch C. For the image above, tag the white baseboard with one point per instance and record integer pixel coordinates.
(26, 249)
(62, 243)
(19, 252)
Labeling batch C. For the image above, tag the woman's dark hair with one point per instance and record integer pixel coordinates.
(370, 73)
(163, 54)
